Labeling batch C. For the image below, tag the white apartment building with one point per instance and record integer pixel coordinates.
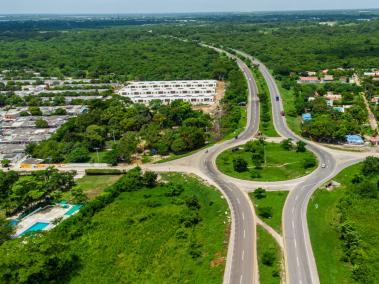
(194, 92)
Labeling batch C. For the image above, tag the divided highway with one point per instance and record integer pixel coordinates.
(241, 265)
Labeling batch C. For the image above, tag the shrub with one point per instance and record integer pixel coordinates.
(265, 212)
(255, 174)
(260, 193)
(268, 257)
(239, 165)
(104, 172)
(309, 163)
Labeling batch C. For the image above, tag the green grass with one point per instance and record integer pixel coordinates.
(323, 217)
(95, 159)
(241, 125)
(281, 164)
(268, 128)
(275, 200)
(138, 238)
(288, 97)
(94, 185)
(265, 242)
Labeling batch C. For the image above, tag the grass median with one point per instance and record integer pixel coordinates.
(279, 164)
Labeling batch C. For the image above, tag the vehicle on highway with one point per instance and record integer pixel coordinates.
(282, 113)
(323, 166)
(277, 99)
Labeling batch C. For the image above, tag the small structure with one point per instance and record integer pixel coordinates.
(309, 80)
(333, 97)
(354, 140)
(339, 109)
(307, 116)
(328, 78)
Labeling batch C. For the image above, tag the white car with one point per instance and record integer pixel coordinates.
(323, 166)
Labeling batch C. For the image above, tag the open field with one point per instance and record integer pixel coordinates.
(268, 249)
(275, 200)
(324, 215)
(280, 164)
(94, 185)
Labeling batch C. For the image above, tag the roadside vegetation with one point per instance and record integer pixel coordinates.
(343, 228)
(269, 258)
(266, 126)
(269, 206)
(183, 223)
(264, 161)
(92, 185)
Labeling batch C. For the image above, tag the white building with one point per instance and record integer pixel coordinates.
(194, 92)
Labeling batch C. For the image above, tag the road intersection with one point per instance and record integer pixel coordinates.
(242, 265)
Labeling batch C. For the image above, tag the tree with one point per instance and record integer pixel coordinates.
(41, 123)
(5, 163)
(300, 146)
(78, 155)
(240, 165)
(269, 257)
(287, 144)
(150, 179)
(7, 230)
(265, 212)
(35, 111)
(370, 166)
(111, 157)
(309, 163)
(260, 193)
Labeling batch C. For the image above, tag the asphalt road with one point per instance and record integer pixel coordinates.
(300, 262)
(241, 254)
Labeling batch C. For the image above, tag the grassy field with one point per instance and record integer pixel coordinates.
(275, 200)
(323, 219)
(281, 164)
(94, 185)
(95, 159)
(293, 122)
(267, 128)
(139, 239)
(268, 274)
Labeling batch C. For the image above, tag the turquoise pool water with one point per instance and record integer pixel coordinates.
(73, 210)
(39, 226)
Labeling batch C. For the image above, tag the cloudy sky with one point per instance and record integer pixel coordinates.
(167, 6)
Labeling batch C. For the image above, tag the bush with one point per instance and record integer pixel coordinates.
(260, 193)
(269, 257)
(95, 172)
(309, 163)
(370, 166)
(239, 165)
(255, 174)
(265, 212)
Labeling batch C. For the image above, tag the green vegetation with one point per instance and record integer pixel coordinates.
(25, 193)
(182, 221)
(266, 162)
(343, 230)
(94, 185)
(270, 201)
(160, 128)
(269, 258)
(266, 123)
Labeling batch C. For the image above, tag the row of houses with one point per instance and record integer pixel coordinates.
(194, 92)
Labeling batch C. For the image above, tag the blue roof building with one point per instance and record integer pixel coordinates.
(354, 139)
(307, 116)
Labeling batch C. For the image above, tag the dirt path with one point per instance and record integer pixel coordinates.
(371, 116)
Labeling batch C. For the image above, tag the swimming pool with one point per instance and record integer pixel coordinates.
(73, 210)
(39, 226)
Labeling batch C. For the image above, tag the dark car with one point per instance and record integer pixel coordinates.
(277, 99)
(282, 113)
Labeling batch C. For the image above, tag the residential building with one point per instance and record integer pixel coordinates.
(194, 92)
(333, 97)
(309, 80)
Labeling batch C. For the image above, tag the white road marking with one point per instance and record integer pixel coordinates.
(243, 216)
(243, 254)
(295, 243)
(293, 225)
(244, 234)
(297, 197)
(241, 278)
(238, 200)
(297, 261)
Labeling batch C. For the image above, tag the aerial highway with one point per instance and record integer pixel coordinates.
(300, 262)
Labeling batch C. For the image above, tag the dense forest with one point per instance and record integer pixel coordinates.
(295, 46)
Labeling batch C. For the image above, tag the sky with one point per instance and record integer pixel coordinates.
(169, 6)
